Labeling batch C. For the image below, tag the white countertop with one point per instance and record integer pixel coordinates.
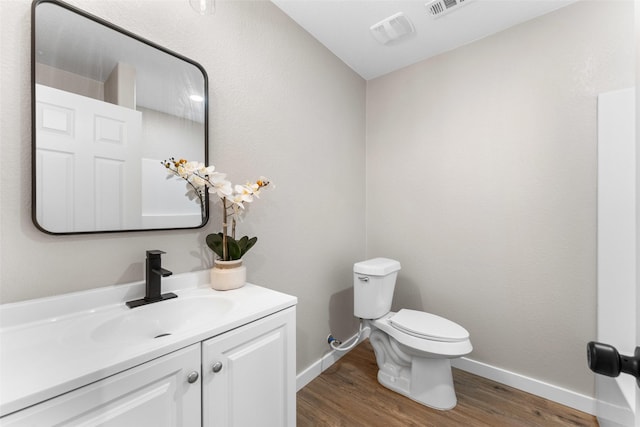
(48, 346)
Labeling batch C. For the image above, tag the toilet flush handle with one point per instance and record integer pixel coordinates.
(363, 278)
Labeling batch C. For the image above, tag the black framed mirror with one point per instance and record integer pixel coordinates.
(107, 107)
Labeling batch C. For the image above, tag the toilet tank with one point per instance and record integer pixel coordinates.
(373, 283)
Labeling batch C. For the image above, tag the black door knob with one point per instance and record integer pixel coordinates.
(604, 359)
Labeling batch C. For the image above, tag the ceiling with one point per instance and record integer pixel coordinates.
(343, 27)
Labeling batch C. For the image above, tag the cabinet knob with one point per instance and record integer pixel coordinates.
(192, 377)
(217, 367)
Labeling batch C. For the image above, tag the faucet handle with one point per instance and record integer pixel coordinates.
(162, 272)
(155, 253)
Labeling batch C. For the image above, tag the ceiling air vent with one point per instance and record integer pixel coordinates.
(392, 28)
(438, 8)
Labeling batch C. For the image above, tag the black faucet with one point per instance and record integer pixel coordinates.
(153, 275)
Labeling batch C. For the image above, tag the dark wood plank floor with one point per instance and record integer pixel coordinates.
(348, 394)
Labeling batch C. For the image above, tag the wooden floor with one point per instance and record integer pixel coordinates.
(348, 394)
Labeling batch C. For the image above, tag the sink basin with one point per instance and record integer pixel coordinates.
(162, 319)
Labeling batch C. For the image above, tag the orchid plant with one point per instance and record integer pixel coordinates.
(202, 179)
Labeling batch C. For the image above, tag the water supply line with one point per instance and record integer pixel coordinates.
(337, 344)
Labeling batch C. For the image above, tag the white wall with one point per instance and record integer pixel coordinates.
(481, 180)
(64, 80)
(280, 105)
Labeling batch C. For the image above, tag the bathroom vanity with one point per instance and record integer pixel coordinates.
(206, 358)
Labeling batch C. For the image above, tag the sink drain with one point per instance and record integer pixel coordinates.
(162, 335)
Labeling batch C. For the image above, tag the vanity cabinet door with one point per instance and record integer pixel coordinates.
(249, 375)
(157, 393)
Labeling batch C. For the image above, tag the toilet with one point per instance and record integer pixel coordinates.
(413, 349)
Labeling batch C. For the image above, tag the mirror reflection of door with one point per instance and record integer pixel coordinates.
(88, 155)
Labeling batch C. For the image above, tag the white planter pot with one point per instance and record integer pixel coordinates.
(227, 275)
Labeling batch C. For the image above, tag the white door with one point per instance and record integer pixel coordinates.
(88, 163)
(249, 375)
(157, 393)
(637, 145)
(617, 252)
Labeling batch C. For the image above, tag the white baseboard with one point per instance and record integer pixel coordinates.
(530, 385)
(545, 390)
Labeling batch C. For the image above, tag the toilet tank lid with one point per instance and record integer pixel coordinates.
(376, 266)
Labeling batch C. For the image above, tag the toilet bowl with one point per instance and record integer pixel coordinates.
(413, 349)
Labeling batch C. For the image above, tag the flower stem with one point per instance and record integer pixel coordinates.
(233, 227)
(225, 251)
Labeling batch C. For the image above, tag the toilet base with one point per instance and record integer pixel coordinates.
(426, 380)
(431, 383)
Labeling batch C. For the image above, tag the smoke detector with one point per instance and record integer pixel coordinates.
(438, 8)
(392, 28)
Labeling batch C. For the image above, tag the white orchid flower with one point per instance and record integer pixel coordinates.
(205, 171)
(237, 201)
(199, 175)
(244, 192)
(192, 167)
(219, 186)
(253, 188)
(187, 169)
(197, 181)
(182, 172)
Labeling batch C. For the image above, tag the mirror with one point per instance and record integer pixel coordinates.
(108, 107)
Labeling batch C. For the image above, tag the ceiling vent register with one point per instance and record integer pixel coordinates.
(438, 8)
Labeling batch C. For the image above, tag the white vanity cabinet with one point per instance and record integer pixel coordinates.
(164, 392)
(85, 359)
(243, 376)
(249, 375)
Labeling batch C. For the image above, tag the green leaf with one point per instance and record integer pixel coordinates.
(246, 243)
(233, 247)
(252, 241)
(214, 241)
(243, 243)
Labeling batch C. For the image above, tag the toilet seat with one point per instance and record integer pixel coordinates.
(431, 347)
(428, 326)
